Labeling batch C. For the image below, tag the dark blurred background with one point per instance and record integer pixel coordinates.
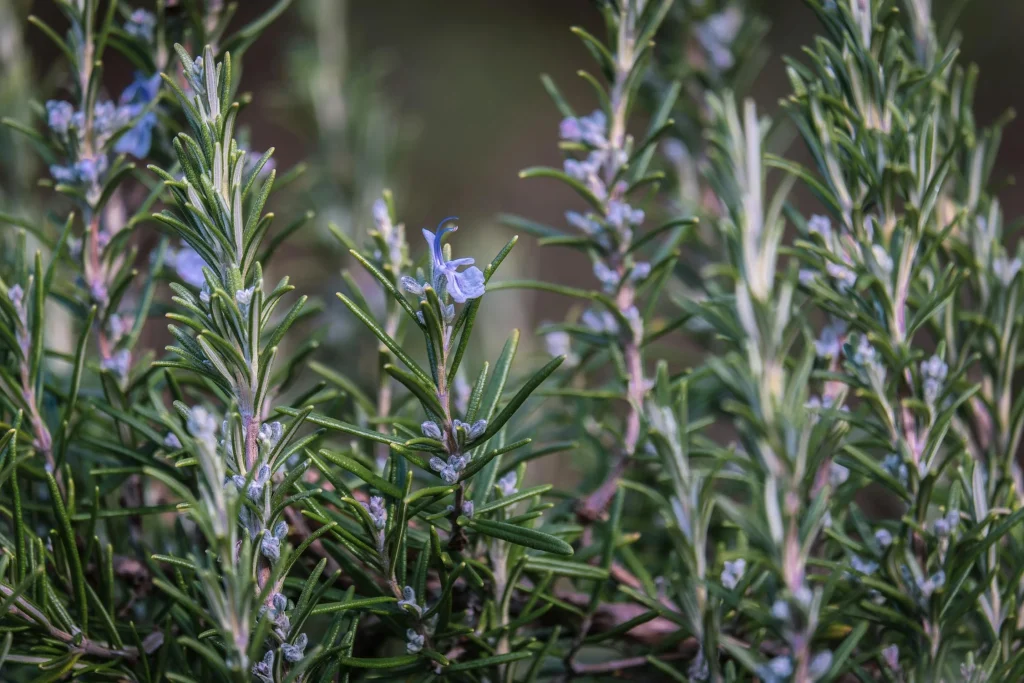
(462, 78)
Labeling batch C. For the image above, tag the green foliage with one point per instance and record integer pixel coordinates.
(235, 510)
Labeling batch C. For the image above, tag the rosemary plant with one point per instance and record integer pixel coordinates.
(859, 363)
(827, 490)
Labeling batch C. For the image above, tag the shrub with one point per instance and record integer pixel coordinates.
(213, 513)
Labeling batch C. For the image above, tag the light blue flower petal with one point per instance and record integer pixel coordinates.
(466, 285)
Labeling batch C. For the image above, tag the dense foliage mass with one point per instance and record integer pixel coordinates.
(827, 491)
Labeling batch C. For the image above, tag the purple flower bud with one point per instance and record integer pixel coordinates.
(837, 474)
(820, 225)
(891, 655)
(621, 215)
(409, 600)
(431, 430)
(844, 278)
(777, 670)
(381, 215)
(733, 572)
(863, 566)
(933, 376)
(820, 664)
(65, 175)
(413, 641)
(243, 297)
(830, 343)
(378, 513)
(608, 278)
(270, 433)
(477, 429)
(140, 25)
(641, 271)
(118, 327)
(262, 475)
(201, 424)
(593, 128)
(294, 652)
(716, 35)
(249, 521)
(698, 669)
(602, 322)
(90, 169)
(59, 116)
(569, 129)
(189, 266)
(264, 669)
(930, 585)
(584, 224)
(270, 546)
(410, 285)
(119, 363)
(106, 118)
(560, 344)
(17, 296)
(449, 471)
(575, 169)
(507, 484)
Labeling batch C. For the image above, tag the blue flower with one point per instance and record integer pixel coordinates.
(140, 25)
(733, 572)
(589, 129)
(139, 138)
(63, 174)
(119, 363)
(107, 118)
(134, 98)
(469, 284)
(59, 115)
(189, 266)
(507, 484)
(89, 169)
(86, 171)
(142, 90)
